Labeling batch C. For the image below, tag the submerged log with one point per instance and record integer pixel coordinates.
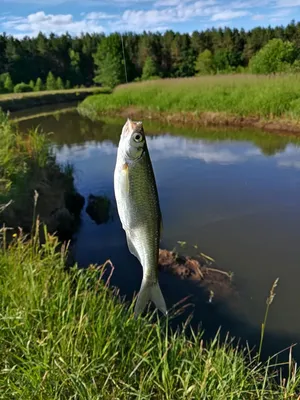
(200, 270)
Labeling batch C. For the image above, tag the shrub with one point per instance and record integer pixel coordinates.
(22, 88)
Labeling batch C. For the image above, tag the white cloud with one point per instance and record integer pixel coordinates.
(99, 15)
(227, 15)
(258, 17)
(47, 23)
(287, 3)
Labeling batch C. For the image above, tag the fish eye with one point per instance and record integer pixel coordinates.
(137, 137)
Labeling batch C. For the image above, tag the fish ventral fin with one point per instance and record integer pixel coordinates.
(150, 292)
(125, 172)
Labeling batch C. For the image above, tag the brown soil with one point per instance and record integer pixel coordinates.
(212, 119)
(201, 271)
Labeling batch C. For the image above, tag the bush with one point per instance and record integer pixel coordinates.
(22, 88)
(275, 56)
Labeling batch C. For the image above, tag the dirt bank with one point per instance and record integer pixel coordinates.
(205, 119)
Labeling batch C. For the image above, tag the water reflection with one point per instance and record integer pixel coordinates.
(235, 194)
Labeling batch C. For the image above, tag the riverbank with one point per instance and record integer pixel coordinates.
(64, 332)
(20, 101)
(264, 102)
(68, 334)
(33, 184)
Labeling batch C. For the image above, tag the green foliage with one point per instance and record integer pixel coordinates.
(275, 56)
(109, 62)
(174, 53)
(68, 85)
(149, 69)
(8, 84)
(19, 156)
(22, 88)
(38, 85)
(50, 82)
(59, 83)
(240, 95)
(32, 85)
(204, 64)
(65, 334)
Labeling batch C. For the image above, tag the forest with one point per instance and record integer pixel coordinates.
(56, 62)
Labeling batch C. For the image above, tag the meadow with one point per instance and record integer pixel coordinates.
(237, 99)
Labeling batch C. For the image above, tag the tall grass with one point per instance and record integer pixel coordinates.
(67, 335)
(20, 157)
(241, 95)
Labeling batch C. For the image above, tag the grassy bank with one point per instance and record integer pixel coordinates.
(271, 102)
(27, 164)
(66, 335)
(19, 101)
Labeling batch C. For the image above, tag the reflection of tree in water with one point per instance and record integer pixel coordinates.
(272, 146)
(70, 128)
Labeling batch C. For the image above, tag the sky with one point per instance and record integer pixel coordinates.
(28, 17)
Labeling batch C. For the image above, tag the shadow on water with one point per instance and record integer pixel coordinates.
(94, 244)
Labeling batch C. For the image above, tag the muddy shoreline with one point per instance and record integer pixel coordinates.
(196, 119)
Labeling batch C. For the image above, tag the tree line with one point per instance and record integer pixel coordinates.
(97, 58)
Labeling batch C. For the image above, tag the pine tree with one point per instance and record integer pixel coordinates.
(149, 69)
(38, 85)
(31, 84)
(50, 82)
(59, 83)
(8, 84)
(109, 62)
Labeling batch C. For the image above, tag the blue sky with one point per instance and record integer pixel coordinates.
(28, 17)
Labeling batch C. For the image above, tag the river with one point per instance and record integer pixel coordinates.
(234, 194)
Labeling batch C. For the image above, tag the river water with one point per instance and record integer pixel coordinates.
(234, 194)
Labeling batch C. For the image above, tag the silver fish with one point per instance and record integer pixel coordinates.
(138, 207)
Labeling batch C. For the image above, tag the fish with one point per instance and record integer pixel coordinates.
(139, 210)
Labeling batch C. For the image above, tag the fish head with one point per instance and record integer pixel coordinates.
(133, 140)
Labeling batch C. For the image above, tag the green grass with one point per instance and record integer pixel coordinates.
(66, 335)
(236, 95)
(21, 156)
(15, 96)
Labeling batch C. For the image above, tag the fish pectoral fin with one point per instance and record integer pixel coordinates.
(131, 247)
(150, 291)
(125, 172)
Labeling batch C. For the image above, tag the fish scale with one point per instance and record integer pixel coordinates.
(139, 211)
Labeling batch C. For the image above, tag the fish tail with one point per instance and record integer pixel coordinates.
(150, 291)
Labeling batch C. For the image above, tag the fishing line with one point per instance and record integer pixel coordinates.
(124, 58)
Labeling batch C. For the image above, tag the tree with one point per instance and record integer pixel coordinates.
(275, 56)
(50, 82)
(68, 84)
(31, 84)
(109, 62)
(59, 83)
(149, 69)
(204, 64)
(8, 84)
(38, 85)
